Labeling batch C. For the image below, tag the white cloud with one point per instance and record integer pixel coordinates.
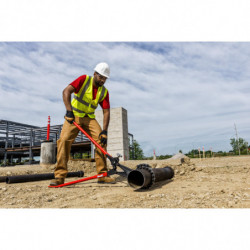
(178, 95)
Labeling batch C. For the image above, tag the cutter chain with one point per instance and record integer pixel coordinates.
(150, 170)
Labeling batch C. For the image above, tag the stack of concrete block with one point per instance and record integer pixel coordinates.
(118, 141)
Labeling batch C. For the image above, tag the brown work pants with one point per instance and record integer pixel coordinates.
(68, 134)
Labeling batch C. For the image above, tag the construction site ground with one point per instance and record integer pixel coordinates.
(198, 183)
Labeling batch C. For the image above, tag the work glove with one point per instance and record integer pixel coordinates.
(69, 117)
(103, 136)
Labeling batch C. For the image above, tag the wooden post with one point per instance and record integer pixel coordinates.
(154, 157)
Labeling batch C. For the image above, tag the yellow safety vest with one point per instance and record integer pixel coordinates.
(83, 102)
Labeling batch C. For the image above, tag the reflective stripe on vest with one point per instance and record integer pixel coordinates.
(83, 102)
(80, 111)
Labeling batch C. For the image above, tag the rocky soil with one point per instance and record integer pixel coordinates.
(209, 183)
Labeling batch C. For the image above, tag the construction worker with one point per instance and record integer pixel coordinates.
(88, 93)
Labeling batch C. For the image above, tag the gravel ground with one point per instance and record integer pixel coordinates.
(210, 183)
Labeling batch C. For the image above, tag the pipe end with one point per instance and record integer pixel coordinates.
(171, 172)
(136, 179)
(141, 178)
(7, 180)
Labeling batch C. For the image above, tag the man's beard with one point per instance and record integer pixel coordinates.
(98, 84)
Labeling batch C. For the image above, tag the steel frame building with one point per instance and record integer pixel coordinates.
(22, 140)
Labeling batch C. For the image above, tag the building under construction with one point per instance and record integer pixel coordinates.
(21, 142)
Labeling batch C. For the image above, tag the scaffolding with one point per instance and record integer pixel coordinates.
(22, 140)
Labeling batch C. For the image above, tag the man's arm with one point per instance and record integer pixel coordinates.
(106, 118)
(67, 97)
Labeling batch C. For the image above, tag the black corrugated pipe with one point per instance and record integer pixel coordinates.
(144, 176)
(3, 178)
(38, 177)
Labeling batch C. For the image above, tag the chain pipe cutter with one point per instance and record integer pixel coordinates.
(143, 177)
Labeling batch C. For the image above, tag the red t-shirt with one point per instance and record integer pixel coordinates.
(77, 84)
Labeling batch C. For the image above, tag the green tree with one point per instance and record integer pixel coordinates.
(161, 157)
(193, 153)
(136, 152)
(238, 144)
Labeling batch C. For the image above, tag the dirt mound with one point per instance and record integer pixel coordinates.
(179, 156)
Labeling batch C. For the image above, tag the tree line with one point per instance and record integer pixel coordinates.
(239, 147)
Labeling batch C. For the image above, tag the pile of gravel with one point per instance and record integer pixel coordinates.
(179, 156)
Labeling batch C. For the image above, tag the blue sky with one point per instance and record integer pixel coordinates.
(181, 95)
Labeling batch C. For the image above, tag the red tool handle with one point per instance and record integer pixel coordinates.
(81, 129)
(91, 177)
(81, 180)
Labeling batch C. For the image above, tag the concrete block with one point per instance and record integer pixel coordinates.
(118, 141)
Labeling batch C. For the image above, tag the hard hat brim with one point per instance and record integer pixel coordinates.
(102, 74)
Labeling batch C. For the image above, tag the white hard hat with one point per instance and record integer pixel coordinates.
(103, 69)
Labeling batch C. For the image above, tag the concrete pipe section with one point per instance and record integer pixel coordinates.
(48, 152)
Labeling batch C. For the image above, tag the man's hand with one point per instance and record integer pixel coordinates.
(69, 117)
(103, 136)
